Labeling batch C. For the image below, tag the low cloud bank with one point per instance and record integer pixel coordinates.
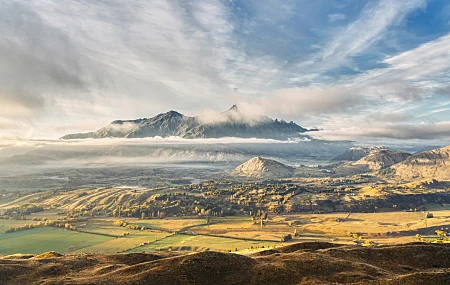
(423, 131)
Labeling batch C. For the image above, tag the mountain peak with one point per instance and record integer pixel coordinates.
(234, 108)
(172, 113)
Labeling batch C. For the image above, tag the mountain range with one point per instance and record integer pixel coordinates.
(231, 123)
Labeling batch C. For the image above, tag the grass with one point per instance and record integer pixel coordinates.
(168, 224)
(5, 224)
(179, 242)
(123, 243)
(52, 214)
(223, 234)
(40, 240)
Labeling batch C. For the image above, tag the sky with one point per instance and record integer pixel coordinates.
(360, 70)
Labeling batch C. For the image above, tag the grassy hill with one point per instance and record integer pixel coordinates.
(307, 263)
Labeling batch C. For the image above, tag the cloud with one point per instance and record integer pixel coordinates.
(36, 60)
(336, 17)
(305, 101)
(423, 131)
(434, 112)
(368, 28)
(130, 59)
(356, 38)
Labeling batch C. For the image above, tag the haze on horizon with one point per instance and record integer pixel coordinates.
(361, 70)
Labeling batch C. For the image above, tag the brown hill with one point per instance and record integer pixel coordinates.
(259, 167)
(308, 263)
(433, 164)
(382, 158)
(368, 159)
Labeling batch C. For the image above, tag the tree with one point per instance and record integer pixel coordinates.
(143, 216)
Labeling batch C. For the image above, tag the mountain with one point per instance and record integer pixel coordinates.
(259, 167)
(382, 158)
(231, 123)
(366, 159)
(428, 164)
(357, 152)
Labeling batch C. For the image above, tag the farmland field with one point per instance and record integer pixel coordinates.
(169, 224)
(123, 243)
(181, 242)
(39, 240)
(99, 234)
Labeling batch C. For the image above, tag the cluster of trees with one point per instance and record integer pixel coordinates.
(441, 237)
(287, 237)
(20, 212)
(39, 219)
(360, 239)
(128, 226)
(47, 223)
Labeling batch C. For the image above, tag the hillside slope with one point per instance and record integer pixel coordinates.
(367, 159)
(382, 158)
(299, 264)
(259, 167)
(433, 164)
(357, 152)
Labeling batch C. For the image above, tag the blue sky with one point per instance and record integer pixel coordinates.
(362, 70)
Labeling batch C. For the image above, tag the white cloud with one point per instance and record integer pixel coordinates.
(359, 35)
(433, 112)
(336, 17)
(300, 102)
(77, 65)
(368, 28)
(424, 131)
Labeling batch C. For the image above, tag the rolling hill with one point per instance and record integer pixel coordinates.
(297, 264)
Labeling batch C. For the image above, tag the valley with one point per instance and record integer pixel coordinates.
(166, 198)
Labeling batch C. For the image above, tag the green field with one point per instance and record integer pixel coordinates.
(5, 224)
(123, 243)
(168, 224)
(180, 242)
(39, 240)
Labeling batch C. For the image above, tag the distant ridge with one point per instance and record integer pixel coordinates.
(357, 152)
(230, 123)
(433, 164)
(382, 158)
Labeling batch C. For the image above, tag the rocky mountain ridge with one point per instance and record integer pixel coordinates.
(231, 123)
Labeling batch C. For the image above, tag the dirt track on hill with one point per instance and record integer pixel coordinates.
(304, 263)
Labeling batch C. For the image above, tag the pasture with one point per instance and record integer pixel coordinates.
(40, 240)
(182, 242)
